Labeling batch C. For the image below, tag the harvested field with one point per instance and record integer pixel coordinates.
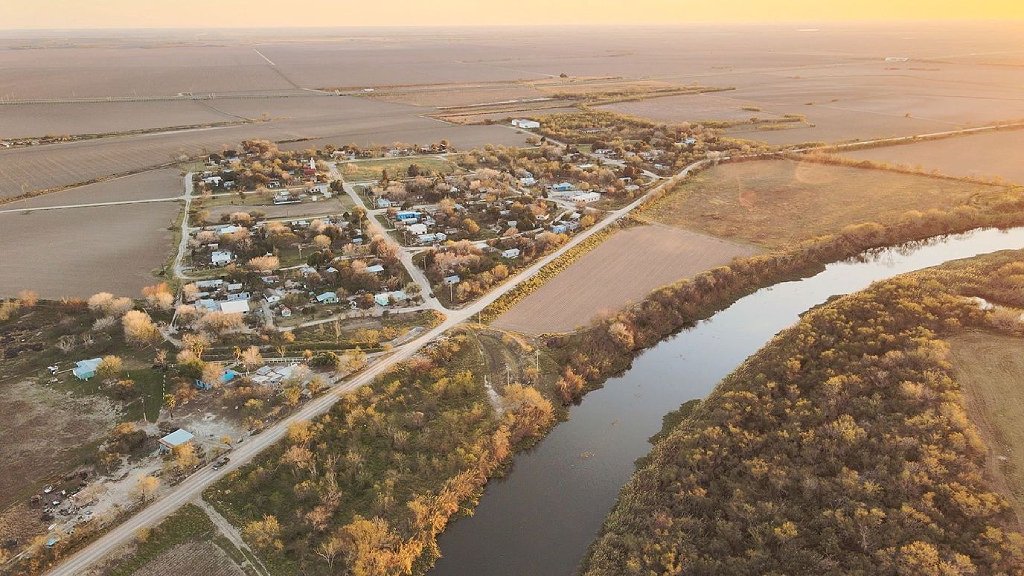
(162, 183)
(990, 367)
(81, 251)
(774, 203)
(988, 155)
(625, 268)
(44, 431)
(78, 118)
(46, 167)
(192, 558)
(691, 108)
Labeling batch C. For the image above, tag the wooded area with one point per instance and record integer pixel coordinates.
(842, 447)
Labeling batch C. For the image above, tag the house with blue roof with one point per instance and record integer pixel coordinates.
(86, 369)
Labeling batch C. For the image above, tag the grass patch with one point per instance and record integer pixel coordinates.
(397, 168)
(777, 203)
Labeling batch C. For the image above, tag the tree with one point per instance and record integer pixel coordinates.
(471, 226)
(219, 323)
(321, 241)
(529, 413)
(265, 533)
(570, 386)
(139, 329)
(266, 263)
(146, 487)
(185, 457)
(170, 401)
(28, 298)
(354, 360)
(329, 550)
(213, 372)
(159, 296)
(110, 367)
(251, 358)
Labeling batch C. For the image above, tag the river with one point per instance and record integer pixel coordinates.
(540, 518)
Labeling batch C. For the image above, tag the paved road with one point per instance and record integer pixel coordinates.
(193, 487)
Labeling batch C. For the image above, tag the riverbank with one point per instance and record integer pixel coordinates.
(843, 446)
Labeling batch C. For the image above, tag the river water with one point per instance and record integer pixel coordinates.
(540, 519)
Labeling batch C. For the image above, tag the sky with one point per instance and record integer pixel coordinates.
(25, 14)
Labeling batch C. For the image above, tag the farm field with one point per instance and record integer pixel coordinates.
(774, 203)
(623, 269)
(81, 251)
(59, 119)
(988, 155)
(691, 107)
(990, 367)
(203, 558)
(161, 183)
(365, 122)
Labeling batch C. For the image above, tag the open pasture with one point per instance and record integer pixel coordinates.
(623, 269)
(81, 251)
(774, 203)
(988, 155)
(990, 368)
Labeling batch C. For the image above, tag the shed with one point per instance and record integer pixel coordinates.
(417, 229)
(86, 369)
(526, 124)
(510, 253)
(375, 269)
(175, 439)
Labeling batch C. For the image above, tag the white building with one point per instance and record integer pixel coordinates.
(234, 307)
(526, 124)
(510, 253)
(585, 197)
(221, 258)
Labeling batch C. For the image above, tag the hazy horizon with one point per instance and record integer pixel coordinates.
(313, 14)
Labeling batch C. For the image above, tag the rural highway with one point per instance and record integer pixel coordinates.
(192, 487)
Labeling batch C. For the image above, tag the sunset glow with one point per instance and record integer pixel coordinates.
(320, 13)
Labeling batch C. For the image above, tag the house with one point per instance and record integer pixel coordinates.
(86, 369)
(417, 229)
(234, 307)
(327, 298)
(321, 189)
(268, 376)
(585, 197)
(239, 296)
(221, 258)
(431, 238)
(526, 124)
(209, 284)
(452, 280)
(177, 438)
(510, 253)
(383, 203)
(286, 312)
(375, 269)
(408, 216)
(385, 298)
(558, 228)
(235, 287)
(228, 376)
(528, 181)
(563, 187)
(212, 180)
